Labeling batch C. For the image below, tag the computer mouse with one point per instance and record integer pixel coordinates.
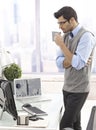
(26, 105)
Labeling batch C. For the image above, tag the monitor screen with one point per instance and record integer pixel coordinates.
(30, 87)
(7, 102)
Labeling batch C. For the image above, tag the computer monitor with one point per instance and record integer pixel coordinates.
(7, 102)
(30, 87)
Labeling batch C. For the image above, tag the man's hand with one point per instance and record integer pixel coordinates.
(89, 60)
(66, 64)
(58, 39)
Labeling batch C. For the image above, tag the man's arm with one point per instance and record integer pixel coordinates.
(83, 51)
(67, 53)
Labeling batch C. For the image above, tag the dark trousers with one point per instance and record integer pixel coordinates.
(73, 103)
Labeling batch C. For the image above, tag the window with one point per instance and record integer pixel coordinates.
(26, 30)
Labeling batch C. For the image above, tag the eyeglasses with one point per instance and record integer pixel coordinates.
(61, 23)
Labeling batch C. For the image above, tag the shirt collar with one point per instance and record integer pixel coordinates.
(75, 31)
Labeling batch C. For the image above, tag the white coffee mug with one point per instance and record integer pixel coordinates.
(22, 119)
(54, 33)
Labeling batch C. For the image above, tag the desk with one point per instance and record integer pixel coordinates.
(53, 107)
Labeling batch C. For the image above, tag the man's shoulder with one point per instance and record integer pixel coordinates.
(87, 31)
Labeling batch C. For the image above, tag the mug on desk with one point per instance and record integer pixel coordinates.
(23, 118)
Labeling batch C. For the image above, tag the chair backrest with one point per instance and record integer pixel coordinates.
(92, 120)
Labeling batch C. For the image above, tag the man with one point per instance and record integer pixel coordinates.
(75, 56)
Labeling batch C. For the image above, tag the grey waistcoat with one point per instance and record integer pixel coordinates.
(76, 80)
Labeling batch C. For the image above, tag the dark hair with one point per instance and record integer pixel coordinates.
(67, 12)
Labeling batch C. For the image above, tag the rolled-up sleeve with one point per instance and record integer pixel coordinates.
(60, 59)
(59, 62)
(83, 51)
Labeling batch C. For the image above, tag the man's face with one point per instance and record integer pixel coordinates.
(64, 24)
